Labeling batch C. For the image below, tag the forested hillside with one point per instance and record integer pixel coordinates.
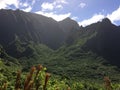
(69, 51)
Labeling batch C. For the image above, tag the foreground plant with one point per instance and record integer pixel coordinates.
(107, 83)
(4, 87)
(39, 79)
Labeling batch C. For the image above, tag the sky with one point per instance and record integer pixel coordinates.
(85, 12)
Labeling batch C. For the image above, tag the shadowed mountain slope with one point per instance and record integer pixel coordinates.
(84, 52)
(29, 27)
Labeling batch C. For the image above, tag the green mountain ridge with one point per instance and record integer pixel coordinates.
(89, 52)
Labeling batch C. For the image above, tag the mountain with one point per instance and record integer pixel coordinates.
(68, 50)
(29, 27)
(93, 54)
(106, 41)
(68, 25)
(22, 28)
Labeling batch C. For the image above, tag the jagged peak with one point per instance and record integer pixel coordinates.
(10, 10)
(106, 21)
(68, 19)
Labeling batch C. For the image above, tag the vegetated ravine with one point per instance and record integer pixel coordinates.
(64, 47)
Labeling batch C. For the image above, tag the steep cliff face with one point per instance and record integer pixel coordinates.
(106, 42)
(18, 30)
(28, 39)
(68, 25)
(29, 27)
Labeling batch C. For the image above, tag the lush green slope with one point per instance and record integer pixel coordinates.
(39, 79)
(86, 53)
(70, 61)
(75, 62)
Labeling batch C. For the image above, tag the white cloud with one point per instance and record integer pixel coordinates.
(28, 9)
(48, 9)
(61, 1)
(5, 3)
(57, 17)
(82, 5)
(33, 2)
(74, 18)
(59, 6)
(56, 4)
(25, 4)
(94, 19)
(47, 6)
(114, 16)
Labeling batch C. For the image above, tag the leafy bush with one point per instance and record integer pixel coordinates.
(39, 79)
